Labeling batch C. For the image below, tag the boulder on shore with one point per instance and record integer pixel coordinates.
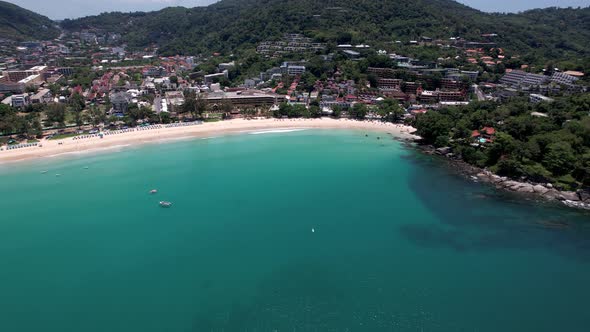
(443, 151)
(552, 194)
(569, 196)
(540, 189)
(584, 195)
(525, 188)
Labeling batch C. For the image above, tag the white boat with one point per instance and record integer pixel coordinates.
(153, 191)
(165, 204)
(43, 172)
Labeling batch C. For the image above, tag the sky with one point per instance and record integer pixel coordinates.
(60, 9)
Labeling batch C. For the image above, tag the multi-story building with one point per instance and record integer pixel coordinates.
(518, 78)
(120, 102)
(20, 101)
(429, 96)
(211, 78)
(18, 75)
(411, 87)
(389, 84)
(536, 98)
(292, 69)
(451, 84)
(456, 95)
(247, 98)
(43, 96)
(472, 75)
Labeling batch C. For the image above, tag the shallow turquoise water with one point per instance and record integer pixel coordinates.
(400, 243)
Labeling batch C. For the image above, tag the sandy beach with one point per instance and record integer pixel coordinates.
(51, 148)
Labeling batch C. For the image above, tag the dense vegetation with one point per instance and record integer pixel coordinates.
(17, 23)
(551, 148)
(232, 24)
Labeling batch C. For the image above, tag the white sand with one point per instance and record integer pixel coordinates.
(52, 148)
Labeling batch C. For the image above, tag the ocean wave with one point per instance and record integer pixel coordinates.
(113, 147)
(276, 131)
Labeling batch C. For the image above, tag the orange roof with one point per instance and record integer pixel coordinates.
(489, 130)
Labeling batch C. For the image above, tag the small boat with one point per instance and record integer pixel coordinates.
(313, 230)
(85, 167)
(43, 172)
(165, 204)
(153, 191)
(58, 175)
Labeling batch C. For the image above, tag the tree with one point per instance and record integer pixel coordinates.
(431, 125)
(358, 111)
(35, 128)
(314, 111)
(560, 158)
(190, 103)
(97, 116)
(77, 102)
(165, 117)
(390, 110)
(336, 111)
(55, 114)
(78, 119)
(503, 144)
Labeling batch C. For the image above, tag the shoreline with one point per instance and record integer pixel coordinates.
(70, 146)
(544, 191)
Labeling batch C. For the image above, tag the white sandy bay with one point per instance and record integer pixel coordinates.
(52, 148)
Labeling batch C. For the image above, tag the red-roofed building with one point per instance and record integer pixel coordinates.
(486, 134)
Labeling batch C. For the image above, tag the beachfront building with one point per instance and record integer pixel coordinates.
(174, 100)
(43, 96)
(120, 102)
(244, 99)
(20, 101)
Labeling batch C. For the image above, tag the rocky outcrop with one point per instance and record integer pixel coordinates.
(577, 199)
(541, 190)
(569, 196)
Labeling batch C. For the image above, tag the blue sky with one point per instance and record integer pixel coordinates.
(59, 9)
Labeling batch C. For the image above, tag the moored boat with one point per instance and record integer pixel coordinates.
(165, 204)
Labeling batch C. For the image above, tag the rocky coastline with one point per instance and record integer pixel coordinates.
(579, 199)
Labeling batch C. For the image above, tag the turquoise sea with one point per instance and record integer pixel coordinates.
(399, 242)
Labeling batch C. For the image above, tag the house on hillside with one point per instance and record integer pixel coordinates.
(485, 135)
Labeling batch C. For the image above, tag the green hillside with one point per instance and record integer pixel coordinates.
(20, 24)
(231, 24)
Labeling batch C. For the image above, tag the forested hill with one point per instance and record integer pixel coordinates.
(231, 24)
(17, 23)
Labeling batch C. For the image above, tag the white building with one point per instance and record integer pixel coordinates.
(536, 98)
